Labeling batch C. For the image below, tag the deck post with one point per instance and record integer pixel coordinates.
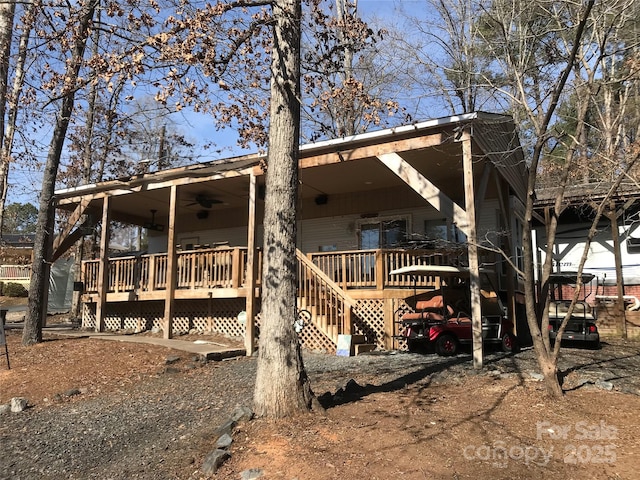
(379, 271)
(103, 266)
(472, 242)
(151, 278)
(389, 323)
(236, 267)
(250, 305)
(172, 265)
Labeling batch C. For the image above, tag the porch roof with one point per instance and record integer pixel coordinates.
(326, 168)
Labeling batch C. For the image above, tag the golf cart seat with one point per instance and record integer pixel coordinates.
(559, 308)
(432, 309)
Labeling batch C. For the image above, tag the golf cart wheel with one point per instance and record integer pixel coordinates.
(510, 343)
(446, 345)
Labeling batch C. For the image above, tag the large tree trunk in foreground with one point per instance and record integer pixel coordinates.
(39, 286)
(282, 387)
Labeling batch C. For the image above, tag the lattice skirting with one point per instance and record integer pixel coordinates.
(206, 315)
(369, 321)
(221, 316)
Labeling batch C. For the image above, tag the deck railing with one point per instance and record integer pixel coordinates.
(226, 268)
(370, 268)
(13, 273)
(197, 269)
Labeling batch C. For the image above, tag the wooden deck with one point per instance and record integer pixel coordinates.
(343, 292)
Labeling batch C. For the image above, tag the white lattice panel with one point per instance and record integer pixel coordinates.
(89, 315)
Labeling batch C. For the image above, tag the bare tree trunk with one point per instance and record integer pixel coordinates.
(87, 157)
(282, 387)
(12, 103)
(36, 310)
(7, 12)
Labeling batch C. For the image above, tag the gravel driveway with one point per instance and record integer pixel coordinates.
(158, 428)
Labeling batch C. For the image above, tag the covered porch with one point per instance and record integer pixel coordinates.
(367, 205)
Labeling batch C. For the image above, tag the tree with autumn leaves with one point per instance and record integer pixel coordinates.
(239, 61)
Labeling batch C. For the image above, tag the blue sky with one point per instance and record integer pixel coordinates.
(25, 181)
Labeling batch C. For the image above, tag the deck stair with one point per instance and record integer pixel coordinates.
(330, 307)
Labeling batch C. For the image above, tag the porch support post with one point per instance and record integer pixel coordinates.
(615, 235)
(172, 265)
(472, 245)
(103, 268)
(250, 307)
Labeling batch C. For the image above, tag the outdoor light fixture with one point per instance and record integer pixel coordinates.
(322, 199)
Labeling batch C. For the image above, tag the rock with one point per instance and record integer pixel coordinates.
(171, 370)
(5, 408)
(538, 377)
(604, 385)
(170, 360)
(242, 414)
(214, 460)
(156, 330)
(251, 474)
(224, 441)
(226, 428)
(18, 404)
(71, 392)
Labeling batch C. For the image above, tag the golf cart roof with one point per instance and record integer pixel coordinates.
(569, 278)
(434, 270)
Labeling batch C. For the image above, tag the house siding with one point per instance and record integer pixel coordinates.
(340, 232)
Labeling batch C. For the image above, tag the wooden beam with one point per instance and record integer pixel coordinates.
(481, 189)
(472, 246)
(71, 222)
(372, 151)
(250, 306)
(172, 265)
(67, 243)
(103, 269)
(427, 190)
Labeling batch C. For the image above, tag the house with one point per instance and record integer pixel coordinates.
(16, 252)
(416, 194)
(614, 253)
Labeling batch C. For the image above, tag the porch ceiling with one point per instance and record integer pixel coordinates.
(441, 164)
(337, 167)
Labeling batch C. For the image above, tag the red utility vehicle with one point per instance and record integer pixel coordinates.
(441, 319)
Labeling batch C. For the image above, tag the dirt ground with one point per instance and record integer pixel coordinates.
(498, 426)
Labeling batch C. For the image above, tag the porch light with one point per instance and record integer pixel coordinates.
(322, 199)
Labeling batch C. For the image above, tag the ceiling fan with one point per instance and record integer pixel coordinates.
(204, 200)
(152, 225)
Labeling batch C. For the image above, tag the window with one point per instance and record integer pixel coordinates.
(440, 232)
(382, 233)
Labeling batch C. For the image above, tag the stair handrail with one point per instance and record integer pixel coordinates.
(325, 278)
